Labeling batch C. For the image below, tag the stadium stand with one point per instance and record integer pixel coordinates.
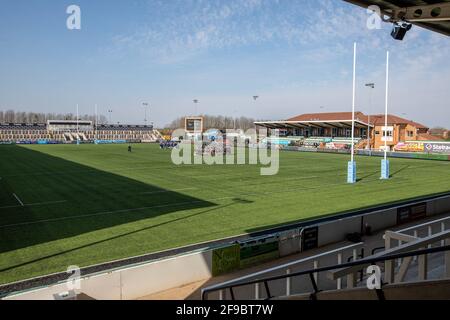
(65, 131)
(23, 132)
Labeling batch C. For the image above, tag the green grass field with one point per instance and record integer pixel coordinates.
(88, 204)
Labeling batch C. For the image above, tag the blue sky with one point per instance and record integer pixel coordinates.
(295, 54)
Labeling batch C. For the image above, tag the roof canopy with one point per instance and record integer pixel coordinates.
(336, 120)
(408, 10)
(311, 124)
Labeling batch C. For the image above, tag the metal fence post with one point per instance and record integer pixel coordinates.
(423, 267)
(339, 281)
(416, 234)
(447, 259)
(316, 275)
(388, 264)
(430, 233)
(442, 230)
(399, 261)
(288, 283)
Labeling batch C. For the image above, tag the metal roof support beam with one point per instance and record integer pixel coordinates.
(332, 125)
(265, 125)
(315, 125)
(346, 126)
(295, 126)
(428, 13)
(395, 11)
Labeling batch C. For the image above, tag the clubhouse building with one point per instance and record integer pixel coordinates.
(334, 130)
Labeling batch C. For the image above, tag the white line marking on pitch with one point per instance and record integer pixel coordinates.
(112, 212)
(34, 204)
(17, 198)
(164, 191)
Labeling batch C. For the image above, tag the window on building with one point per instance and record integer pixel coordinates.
(388, 133)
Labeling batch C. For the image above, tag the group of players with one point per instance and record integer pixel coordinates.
(165, 144)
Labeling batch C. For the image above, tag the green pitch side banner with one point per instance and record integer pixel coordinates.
(226, 259)
(259, 252)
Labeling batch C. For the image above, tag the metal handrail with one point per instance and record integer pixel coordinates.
(288, 265)
(311, 272)
(426, 224)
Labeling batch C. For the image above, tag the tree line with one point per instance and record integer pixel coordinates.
(11, 116)
(217, 122)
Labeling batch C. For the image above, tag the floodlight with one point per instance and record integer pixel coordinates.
(400, 29)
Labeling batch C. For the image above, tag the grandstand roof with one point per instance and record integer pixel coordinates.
(69, 122)
(335, 116)
(438, 25)
(337, 119)
(318, 120)
(42, 126)
(31, 126)
(124, 127)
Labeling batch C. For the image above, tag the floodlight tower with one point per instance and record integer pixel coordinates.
(109, 113)
(255, 98)
(385, 162)
(196, 102)
(370, 86)
(351, 168)
(145, 105)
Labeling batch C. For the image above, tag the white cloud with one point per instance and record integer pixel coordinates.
(205, 25)
(322, 32)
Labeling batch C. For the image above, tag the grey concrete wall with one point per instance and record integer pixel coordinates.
(335, 231)
(381, 220)
(136, 281)
(439, 206)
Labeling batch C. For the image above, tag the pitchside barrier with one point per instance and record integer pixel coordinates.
(45, 142)
(146, 278)
(408, 155)
(364, 152)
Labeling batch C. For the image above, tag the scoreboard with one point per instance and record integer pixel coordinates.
(194, 124)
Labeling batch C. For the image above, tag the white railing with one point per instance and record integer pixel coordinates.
(412, 233)
(287, 269)
(410, 243)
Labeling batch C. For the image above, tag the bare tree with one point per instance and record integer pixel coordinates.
(217, 122)
(11, 116)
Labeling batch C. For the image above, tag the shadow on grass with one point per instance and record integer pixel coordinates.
(366, 176)
(399, 170)
(235, 201)
(94, 200)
